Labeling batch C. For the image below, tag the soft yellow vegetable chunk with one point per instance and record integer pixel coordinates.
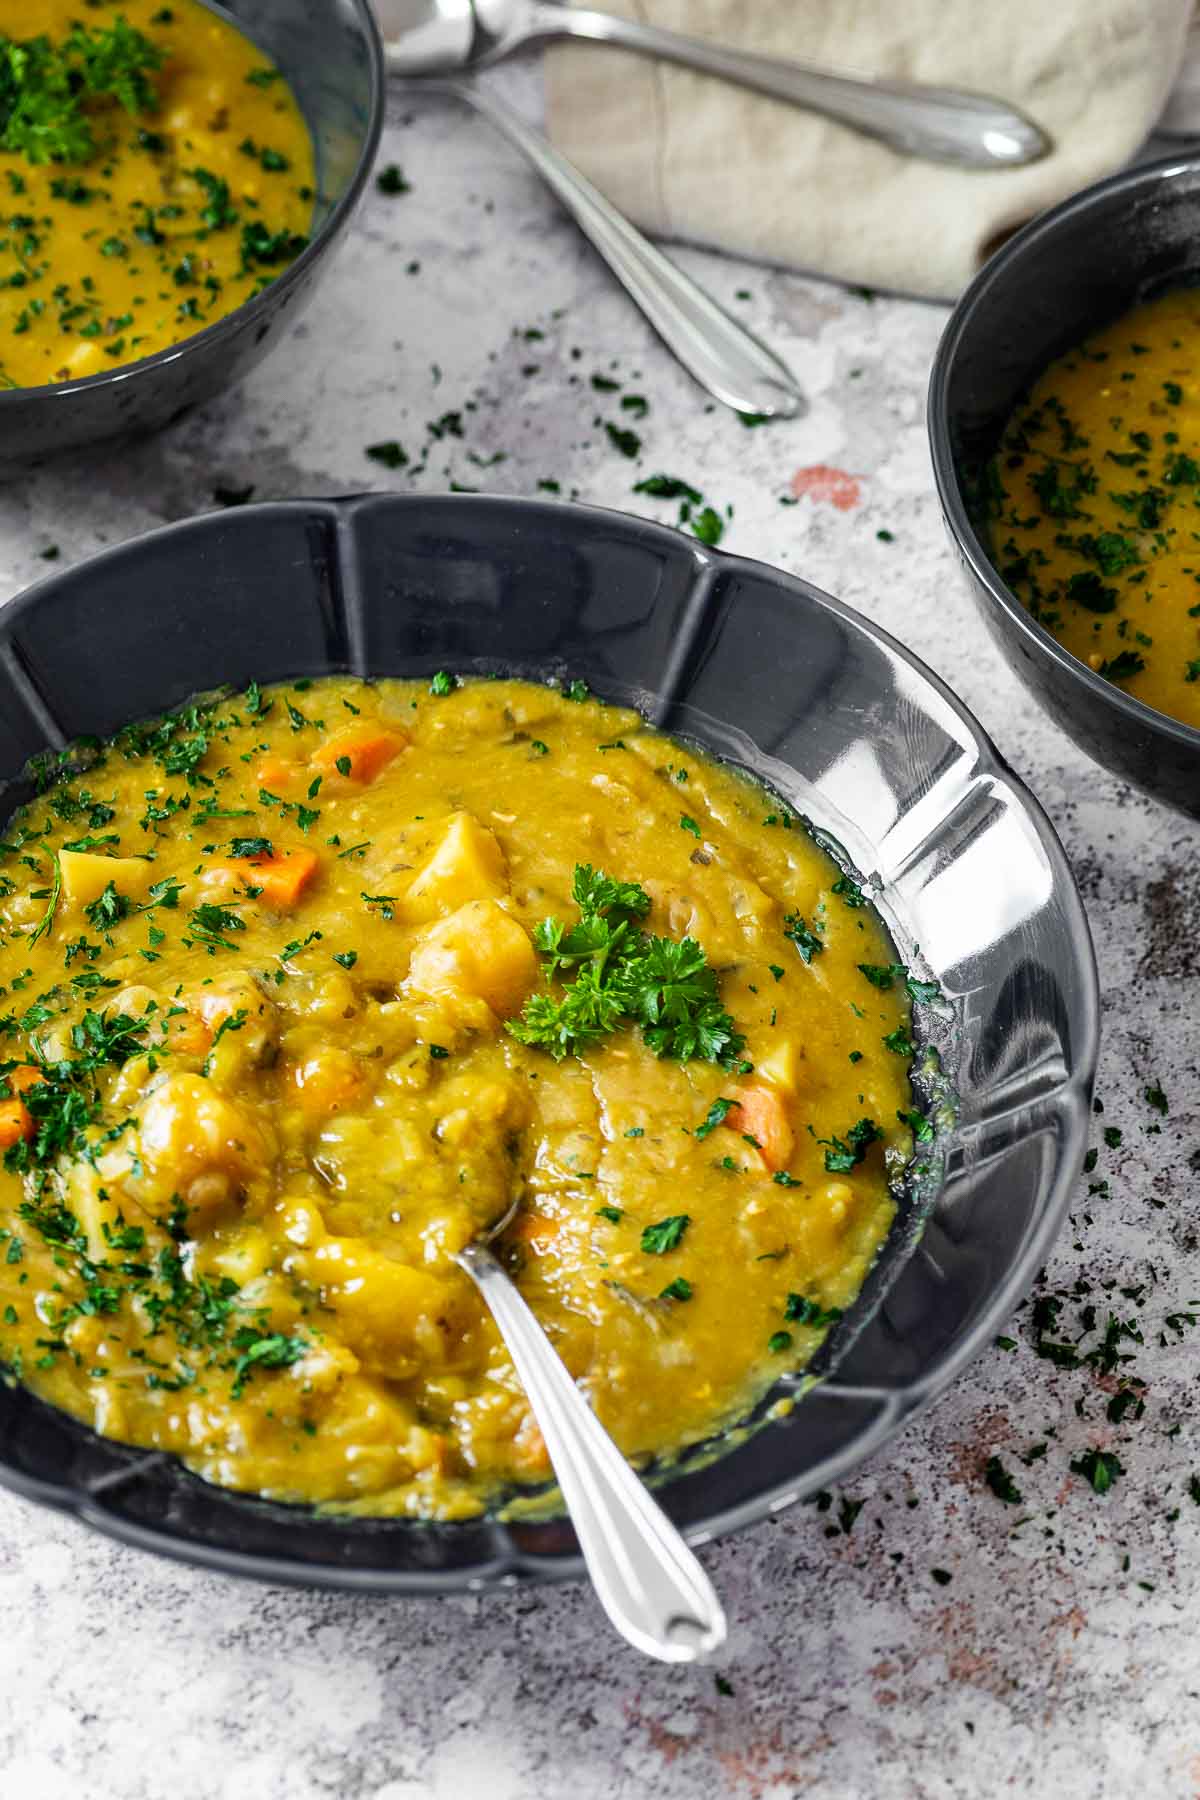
(194, 1145)
(391, 1315)
(466, 864)
(479, 952)
(780, 1066)
(86, 875)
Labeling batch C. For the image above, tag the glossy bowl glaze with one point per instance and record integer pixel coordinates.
(775, 677)
(330, 53)
(1076, 268)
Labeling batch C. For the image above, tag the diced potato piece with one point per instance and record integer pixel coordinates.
(479, 952)
(86, 875)
(394, 1317)
(84, 359)
(466, 864)
(244, 1257)
(780, 1066)
(196, 1144)
(100, 1217)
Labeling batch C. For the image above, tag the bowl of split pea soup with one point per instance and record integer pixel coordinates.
(441, 852)
(1064, 419)
(173, 178)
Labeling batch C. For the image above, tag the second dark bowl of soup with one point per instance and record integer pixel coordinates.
(329, 54)
(1069, 274)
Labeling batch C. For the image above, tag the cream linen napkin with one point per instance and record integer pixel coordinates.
(693, 158)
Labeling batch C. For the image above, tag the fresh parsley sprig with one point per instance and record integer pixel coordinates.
(621, 976)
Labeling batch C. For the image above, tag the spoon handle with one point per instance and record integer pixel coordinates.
(947, 125)
(722, 355)
(647, 1580)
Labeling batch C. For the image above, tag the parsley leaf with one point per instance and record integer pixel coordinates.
(658, 1239)
(717, 1114)
(845, 1154)
(1101, 1467)
(807, 942)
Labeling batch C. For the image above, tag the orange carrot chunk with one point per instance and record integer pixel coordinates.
(761, 1115)
(16, 1120)
(530, 1456)
(535, 1228)
(359, 752)
(283, 876)
(275, 772)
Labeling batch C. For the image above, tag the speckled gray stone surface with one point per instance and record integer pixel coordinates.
(1062, 1655)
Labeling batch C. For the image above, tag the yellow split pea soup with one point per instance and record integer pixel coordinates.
(1095, 503)
(155, 172)
(304, 986)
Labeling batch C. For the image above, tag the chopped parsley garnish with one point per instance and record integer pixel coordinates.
(48, 91)
(666, 1235)
(443, 683)
(918, 1124)
(842, 1155)
(807, 943)
(718, 1112)
(209, 924)
(391, 180)
(679, 1289)
(389, 454)
(882, 975)
(1001, 1482)
(258, 1350)
(1122, 666)
(1101, 1467)
(802, 1311)
(108, 909)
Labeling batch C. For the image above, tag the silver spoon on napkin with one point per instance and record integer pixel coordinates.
(647, 1580)
(946, 125)
(726, 359)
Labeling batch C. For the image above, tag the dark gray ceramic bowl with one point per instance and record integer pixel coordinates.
(781, 681)
(1072, 270)
(330, 52)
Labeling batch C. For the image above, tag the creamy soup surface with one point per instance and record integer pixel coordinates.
(1095, 503)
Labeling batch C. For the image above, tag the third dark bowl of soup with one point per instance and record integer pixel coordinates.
(1064, 419)
(173, 180)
